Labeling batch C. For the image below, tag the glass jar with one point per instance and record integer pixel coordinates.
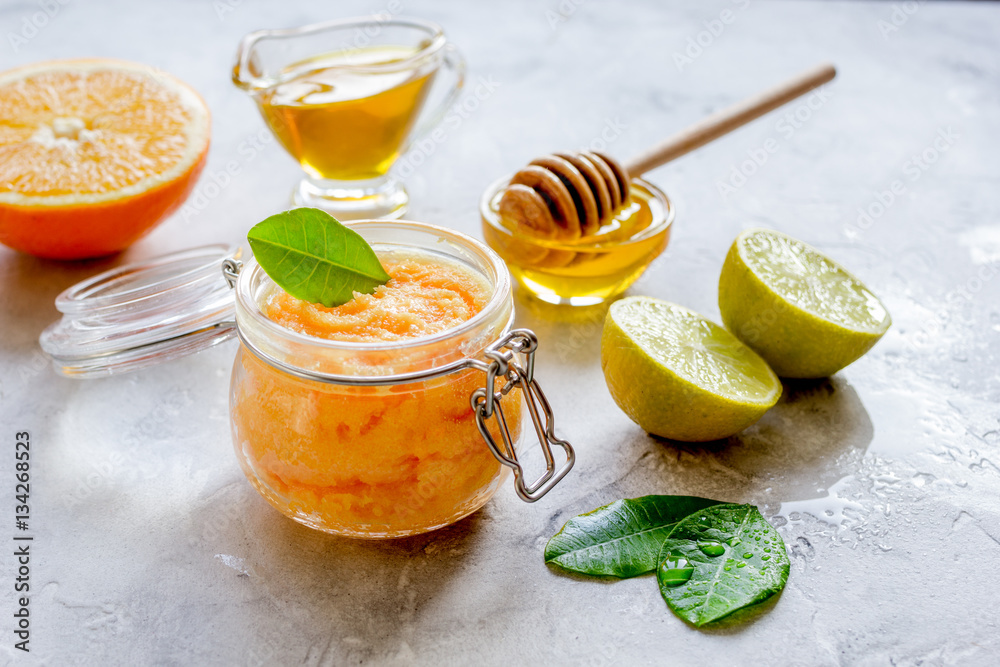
(370, 440)
(369, 460)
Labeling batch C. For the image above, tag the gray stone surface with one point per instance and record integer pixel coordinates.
(151, 548)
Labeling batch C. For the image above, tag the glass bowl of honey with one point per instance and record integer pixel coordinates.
(591, 270)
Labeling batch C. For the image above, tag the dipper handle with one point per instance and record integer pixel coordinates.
(730, 118)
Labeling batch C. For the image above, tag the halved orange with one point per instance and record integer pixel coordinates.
(94, 153)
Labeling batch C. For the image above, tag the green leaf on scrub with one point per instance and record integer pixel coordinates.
(314, 257)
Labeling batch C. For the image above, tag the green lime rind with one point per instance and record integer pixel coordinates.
(807, 316)
(681, 376)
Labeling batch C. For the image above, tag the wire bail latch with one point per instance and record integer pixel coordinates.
(513, 357)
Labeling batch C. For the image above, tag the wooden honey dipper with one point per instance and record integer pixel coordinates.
(569, 196)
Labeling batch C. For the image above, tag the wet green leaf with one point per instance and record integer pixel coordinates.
(622, 539)
(752, 568)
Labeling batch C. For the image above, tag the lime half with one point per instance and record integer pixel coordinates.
(680, 376)
(797, 308)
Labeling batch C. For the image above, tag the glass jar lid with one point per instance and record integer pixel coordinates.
(145, 313)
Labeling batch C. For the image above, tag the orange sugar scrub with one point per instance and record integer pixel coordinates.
(373, 461)
(422, 299)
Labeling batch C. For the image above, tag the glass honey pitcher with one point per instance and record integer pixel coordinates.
(344, 99)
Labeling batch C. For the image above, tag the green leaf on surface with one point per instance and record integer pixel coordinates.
(622, 539)
(750, 566)
(313, 257)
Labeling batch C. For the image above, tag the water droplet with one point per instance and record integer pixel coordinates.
(748, 555)
(765, 558)
(767, 549)
(733, 541)
(712, 549)
(727, 568)
(741, 564)
(675, 571)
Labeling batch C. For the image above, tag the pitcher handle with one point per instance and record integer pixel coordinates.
(453, 59)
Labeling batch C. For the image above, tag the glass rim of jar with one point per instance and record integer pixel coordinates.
(659, 225)
(436, 42)
(500, 282)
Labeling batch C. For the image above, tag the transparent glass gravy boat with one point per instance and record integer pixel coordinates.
(267, 60)
(140, 315)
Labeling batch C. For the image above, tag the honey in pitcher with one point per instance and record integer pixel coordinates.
(342, 122)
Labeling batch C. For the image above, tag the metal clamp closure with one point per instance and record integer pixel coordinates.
(513, 357)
